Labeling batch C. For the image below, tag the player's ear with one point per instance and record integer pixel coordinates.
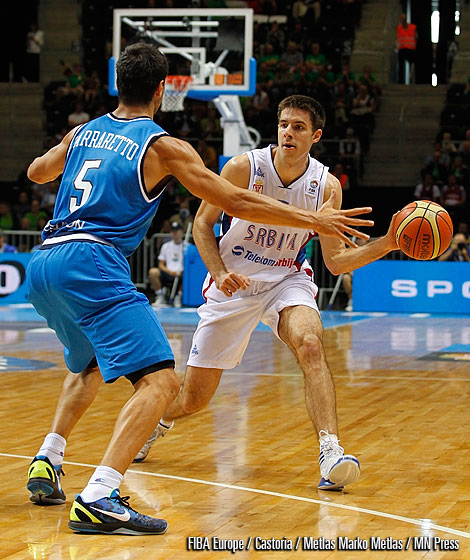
(161, 88)
(317, 135)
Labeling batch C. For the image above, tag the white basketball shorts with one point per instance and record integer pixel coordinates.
(226, 323)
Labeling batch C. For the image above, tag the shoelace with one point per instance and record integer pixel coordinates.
(124, 501)
(328, 446)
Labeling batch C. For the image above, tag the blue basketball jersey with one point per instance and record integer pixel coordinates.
(102, 193)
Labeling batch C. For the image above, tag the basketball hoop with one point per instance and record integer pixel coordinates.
(176, 88)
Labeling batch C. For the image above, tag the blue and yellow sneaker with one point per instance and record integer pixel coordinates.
(337, 469)
(44, 482)
(112, 515)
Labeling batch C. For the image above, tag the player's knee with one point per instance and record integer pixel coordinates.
(194, 401)
(173, 385)
(309, 345)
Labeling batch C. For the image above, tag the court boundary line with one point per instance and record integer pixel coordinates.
(352, 378)
(425, 525)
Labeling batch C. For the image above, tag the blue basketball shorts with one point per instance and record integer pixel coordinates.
(84, 291)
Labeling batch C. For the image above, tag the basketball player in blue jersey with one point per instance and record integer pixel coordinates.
(114, 170)
(258, 272)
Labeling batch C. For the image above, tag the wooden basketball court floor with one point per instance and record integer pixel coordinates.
(245, 469)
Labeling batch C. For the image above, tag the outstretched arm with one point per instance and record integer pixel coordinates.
(170, 156)
(339, 259)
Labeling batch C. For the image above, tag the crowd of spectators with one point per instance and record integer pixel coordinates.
(445, 175)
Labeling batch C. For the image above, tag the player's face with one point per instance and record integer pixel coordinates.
(295, 134)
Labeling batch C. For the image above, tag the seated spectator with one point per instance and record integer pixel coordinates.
(436, 168)
(453, 194)
(183, 216)
(324, 85)
(7, 218)
(427, 189)
(22, 206)
(74, 84)
(303, 79)
(315, 59)
(341, 102)
(276, 37)
(260, 100)
(368, 79)
(4, 247)
(343, 178)
(350, 149)
(283, 82)
(466, 138)
(460, 170)
(458, 251)
(169, 269)
(348, 78)
(78, 116)
(362, 116)
(447, 145)
(444, 158)
(265, 75)
(293, 56)
(25, 225)
(270, 59)
(34, 214)
(464, 228)
(453, 198)
(465, 152)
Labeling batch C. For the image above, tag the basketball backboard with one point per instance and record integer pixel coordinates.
(213, 46)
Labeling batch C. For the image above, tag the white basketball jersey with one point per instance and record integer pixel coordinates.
(262, 251)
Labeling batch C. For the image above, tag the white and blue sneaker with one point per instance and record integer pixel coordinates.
(337, 469)
(160, 431)
(112, 515)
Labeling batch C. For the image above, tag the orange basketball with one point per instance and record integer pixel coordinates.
(423, 230)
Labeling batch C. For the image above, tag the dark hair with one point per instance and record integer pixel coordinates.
(305, 103)
(139, 71)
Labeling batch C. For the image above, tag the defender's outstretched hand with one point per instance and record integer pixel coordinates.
(337, 223)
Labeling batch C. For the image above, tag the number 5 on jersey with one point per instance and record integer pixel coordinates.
(81, 184)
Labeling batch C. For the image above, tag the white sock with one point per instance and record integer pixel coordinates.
(53, 447)
(100, 485)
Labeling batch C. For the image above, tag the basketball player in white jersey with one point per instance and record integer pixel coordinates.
(259, 272)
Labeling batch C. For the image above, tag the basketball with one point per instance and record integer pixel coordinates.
(423, 230)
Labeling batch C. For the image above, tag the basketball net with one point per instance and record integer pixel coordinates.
(176, 88)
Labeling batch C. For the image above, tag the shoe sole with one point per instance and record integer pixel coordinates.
(345, 472)
(109, 529)
(41, 490)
